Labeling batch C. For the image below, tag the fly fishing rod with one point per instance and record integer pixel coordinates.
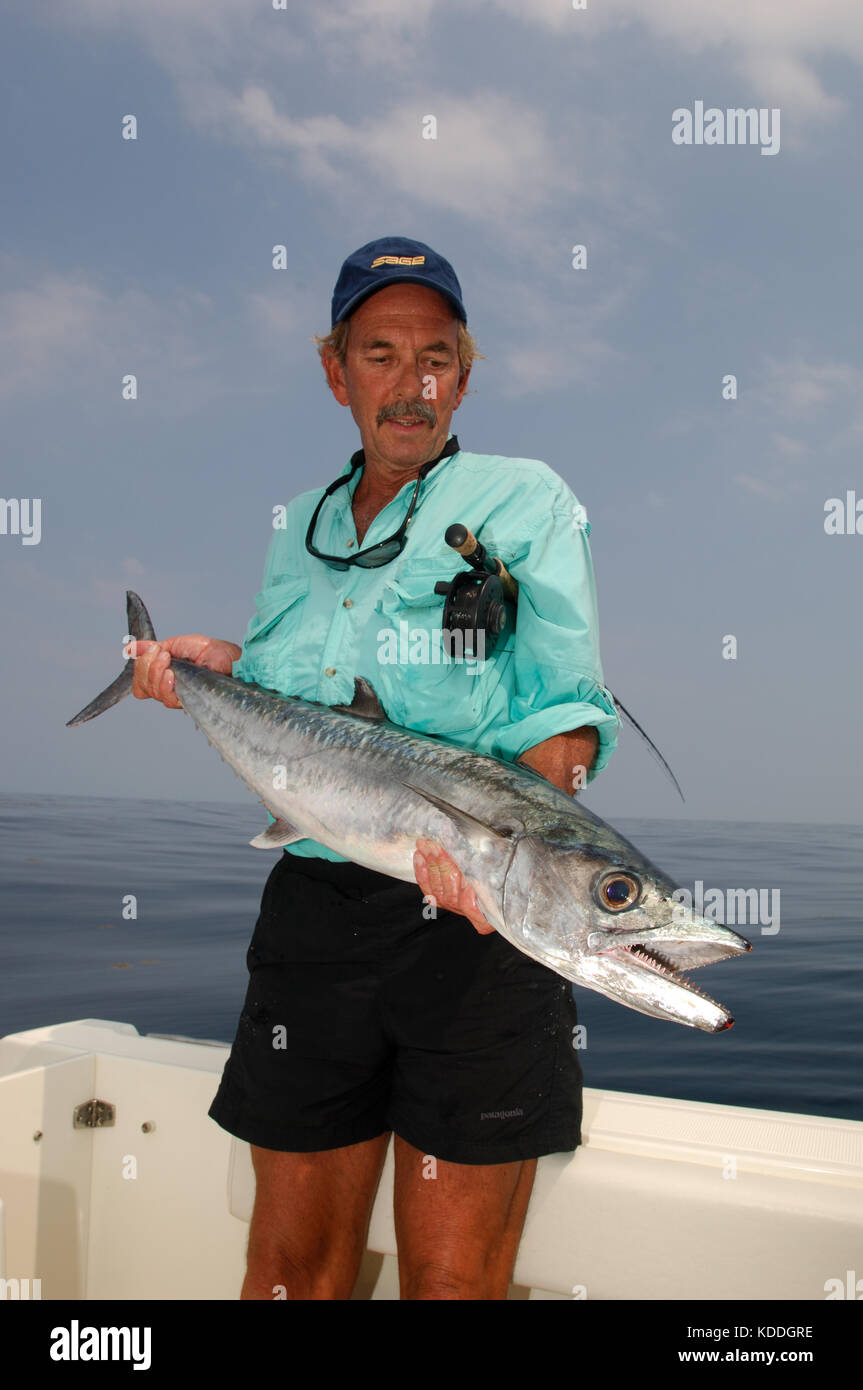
(481, 604)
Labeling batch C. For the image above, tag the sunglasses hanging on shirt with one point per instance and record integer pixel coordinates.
(383, 551)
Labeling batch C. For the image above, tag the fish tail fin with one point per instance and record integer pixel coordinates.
(139, 626)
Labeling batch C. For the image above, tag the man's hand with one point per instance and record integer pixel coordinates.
(439, 877)
(153, 679)
(437, 873)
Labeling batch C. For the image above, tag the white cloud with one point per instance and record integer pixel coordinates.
(801, 388)
(199, 38)
(44, 328)
(492, 158)
(375, 31)
(776, 485)
(286, 320)
(64, 330)
(554, 348)
(773, 44)
(823, 401)
(502, 163)
(790, 448)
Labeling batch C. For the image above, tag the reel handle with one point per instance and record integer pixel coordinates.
(462, 539)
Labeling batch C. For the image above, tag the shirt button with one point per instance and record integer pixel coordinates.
(330, 671)
(348, 603)
(350, 543)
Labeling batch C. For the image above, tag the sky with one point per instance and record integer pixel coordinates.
(698, 383)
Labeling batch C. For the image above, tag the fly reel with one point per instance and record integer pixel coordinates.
(480, 602)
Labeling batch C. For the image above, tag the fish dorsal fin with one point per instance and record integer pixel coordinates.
(277, 834)
(365, 704)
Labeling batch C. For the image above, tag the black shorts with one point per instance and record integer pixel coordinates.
(363, 1016)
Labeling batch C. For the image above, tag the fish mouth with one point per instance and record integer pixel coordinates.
(675, 958)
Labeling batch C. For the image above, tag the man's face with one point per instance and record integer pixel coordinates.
(401, 375)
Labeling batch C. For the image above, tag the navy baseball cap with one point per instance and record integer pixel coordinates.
(393, 260)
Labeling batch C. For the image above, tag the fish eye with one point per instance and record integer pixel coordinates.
(617, 891)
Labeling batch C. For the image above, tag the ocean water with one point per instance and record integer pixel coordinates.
(67, 951)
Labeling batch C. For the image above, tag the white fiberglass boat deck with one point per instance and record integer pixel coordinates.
(144, 1197)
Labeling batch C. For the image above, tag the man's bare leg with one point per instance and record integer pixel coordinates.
(311, 1220)
(458, 1232)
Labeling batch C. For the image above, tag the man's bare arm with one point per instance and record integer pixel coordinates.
(565, 759)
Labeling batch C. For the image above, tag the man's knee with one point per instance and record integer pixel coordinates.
(436, 1278)
(310, 1220)
(315, 1257)
(276, 1271)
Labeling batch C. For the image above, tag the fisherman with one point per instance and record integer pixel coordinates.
(375, 1006)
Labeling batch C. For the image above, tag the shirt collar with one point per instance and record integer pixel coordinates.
(357, 462)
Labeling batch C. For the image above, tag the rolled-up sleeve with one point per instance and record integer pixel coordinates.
(558, 682)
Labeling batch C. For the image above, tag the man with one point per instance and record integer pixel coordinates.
(399, 1020)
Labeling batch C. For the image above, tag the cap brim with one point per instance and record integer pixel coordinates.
(401, 279)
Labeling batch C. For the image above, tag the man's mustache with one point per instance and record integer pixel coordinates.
(405, 410)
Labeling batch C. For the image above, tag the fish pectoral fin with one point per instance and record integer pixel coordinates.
(468, 824)
(275, 835)
(365, 703)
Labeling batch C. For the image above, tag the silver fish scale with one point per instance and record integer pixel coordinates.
(336, 763)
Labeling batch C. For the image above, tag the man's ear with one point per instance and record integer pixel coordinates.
(462, 387)
(335, 374)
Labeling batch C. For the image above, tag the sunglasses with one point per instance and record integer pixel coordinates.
(383, 551)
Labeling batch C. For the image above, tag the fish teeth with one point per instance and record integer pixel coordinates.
(658, 963)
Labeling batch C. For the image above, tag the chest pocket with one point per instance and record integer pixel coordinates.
(273, 630)
(419, 686)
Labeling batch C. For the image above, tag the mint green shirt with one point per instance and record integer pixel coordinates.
(317, 628)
